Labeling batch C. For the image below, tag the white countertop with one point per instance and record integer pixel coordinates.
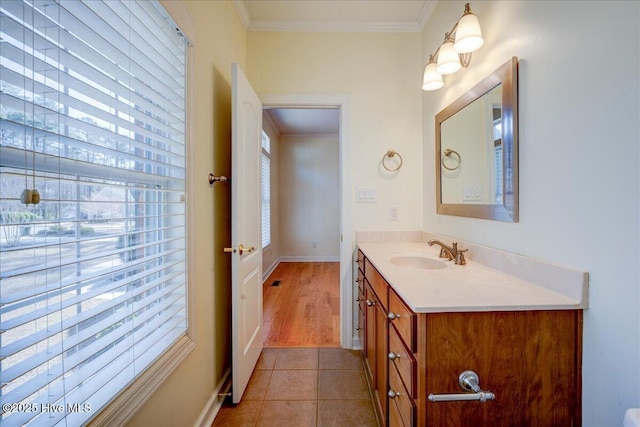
(468, 288)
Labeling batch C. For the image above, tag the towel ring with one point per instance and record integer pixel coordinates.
(390, 154)
(448, 153)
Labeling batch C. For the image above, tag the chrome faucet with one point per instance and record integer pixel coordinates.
(450, 252)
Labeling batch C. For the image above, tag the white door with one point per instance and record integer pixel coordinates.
(246, 264)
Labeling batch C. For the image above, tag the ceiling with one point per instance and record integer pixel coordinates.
(298, 121)
(335, 15)
(328, 16)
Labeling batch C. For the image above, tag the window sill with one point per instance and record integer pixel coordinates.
(125, 405)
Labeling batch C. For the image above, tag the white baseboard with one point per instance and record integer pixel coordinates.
(269, 270)
(215, 402)
(328, 258)
(273, 266)
(356, 344)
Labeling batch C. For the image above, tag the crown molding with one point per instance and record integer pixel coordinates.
(243, 13)
(426, 12)
(335, 26)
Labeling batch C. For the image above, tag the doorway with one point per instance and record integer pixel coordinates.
(341, 268)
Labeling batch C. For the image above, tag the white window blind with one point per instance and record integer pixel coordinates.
(93, 277)
(497, 157)
(266, 190)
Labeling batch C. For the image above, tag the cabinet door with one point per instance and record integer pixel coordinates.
(382, 360)
(361, 311)
(531, 360)
(370, 333)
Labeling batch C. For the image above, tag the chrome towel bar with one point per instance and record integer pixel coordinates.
(468, 380)
(482, 396)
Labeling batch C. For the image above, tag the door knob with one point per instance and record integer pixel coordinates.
(241, 249)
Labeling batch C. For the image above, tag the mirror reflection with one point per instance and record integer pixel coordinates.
(476, 132)
(476, 150)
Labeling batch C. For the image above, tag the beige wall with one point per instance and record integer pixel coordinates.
(579, 160)
(220, 40)
(309, 200)
(379, 73)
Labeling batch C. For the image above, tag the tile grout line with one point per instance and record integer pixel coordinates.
(264, 396)
(318, 392)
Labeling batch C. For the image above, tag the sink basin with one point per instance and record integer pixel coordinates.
(418, 262)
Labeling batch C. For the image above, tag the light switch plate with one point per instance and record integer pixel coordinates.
(472, 192)
(366, 195)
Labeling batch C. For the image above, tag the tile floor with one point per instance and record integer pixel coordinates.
(300, 387)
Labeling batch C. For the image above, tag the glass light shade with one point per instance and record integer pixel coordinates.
(431, 79)
(448, 59)
(468, 34)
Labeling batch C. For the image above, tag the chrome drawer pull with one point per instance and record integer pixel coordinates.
(468, 380)
(393, 316)
(393, 394)
(393, 356)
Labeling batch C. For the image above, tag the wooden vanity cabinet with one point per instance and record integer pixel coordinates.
(531, 360)
(375, 345)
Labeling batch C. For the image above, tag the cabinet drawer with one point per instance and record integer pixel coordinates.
(360, 260)
(378, 284)
(404, 321)
(401, 357)
(403, 403)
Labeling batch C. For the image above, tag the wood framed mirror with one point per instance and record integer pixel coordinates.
(477, 150)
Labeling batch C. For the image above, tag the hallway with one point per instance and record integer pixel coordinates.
(303, 310)
(304, 387)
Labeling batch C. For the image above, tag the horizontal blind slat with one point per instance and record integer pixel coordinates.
(43, 312)
(10, 156)
(50, 123)
(74, 56)
(147, 309)
(135, 33)
(80, 78)
(74, 16)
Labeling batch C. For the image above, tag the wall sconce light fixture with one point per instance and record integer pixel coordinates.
(455, 52)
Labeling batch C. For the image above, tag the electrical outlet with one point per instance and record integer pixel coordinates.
(314, 245)
(393, 213)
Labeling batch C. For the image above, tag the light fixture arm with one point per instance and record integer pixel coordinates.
(465, 58)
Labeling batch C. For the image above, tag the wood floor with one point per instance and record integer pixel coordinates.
(304, 309)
